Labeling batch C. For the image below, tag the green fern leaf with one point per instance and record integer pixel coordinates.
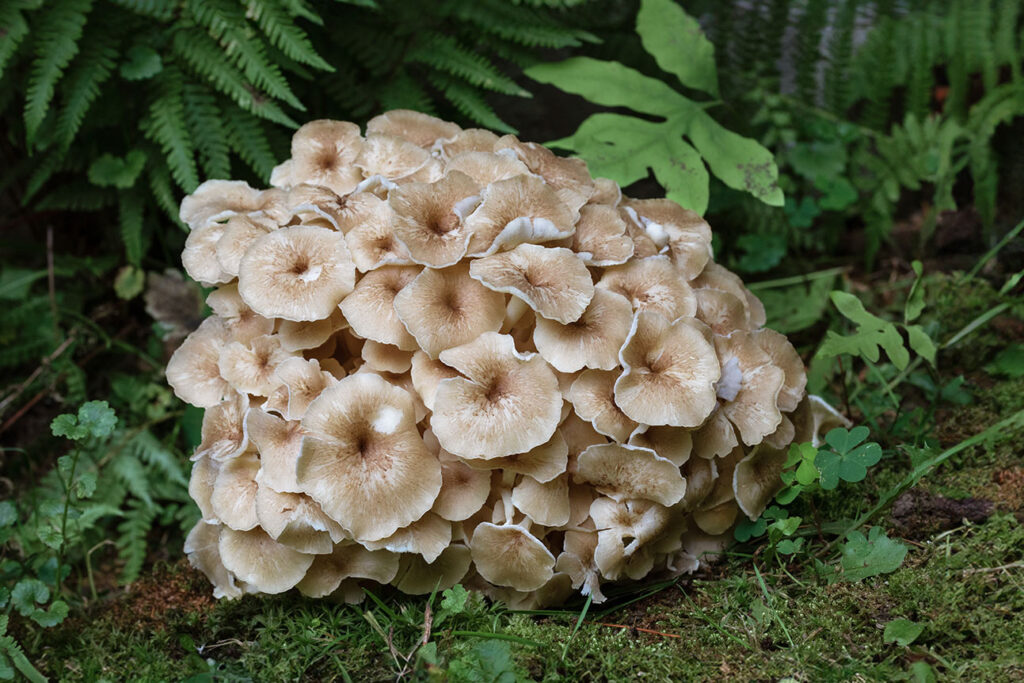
(469, 102)
(49, 165)
(166, 126)
(130, 219)
(77, 196)
(445, 54)
(131, 542)
(524, 27)
(204, 122)
(56, 44)
(249, 140)
(15, 28)
(161, 10)
(160, 460)
(277, 23)
(403, 92)
(159, 177)
(82, 86)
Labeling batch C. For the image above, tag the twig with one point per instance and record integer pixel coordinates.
(986, 570)
(38, 371)
(636, 628)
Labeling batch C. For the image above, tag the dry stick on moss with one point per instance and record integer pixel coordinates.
(1015, 420)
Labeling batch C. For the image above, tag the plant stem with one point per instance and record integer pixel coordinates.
(64, 516)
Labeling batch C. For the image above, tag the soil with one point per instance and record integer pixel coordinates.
(918, 514)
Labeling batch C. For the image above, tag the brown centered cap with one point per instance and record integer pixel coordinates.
(651, 284)
(201, 546)
(593, 341)
(268, 566)
(347, 561)
(430, 218)
(416, 576)
(593, 397)
(323, 153)
(554, 282)
(362, 448)
(517, 210)
(600, 238)
(418, 128)
(297, 273)
(370, 308)
(757, 478)
(670, 373)
(507, 403)
(192, 370)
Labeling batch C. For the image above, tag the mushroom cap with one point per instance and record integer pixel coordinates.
(293, 519)
(347, 561)
(721, 311)
(716, 276)
(754, 410)
(467, 140)
(464, 491)
(447, 308)
(542, 463)
(701, 475)
(508, 555)
(297, 273)
(593, 398)
(684, 232)
(814, 417)
(486, 167)
(199, 257)
(193, 371)
(364, 461)
(370, 233)
(507, 403)
(621, 471)
(600, 238)
(651, 284)
(716, 437)
(591, 341)
(200, 485)
(299, 382)
(429, 218)
(570, 178)
(370, 308)
(323, 153)
(416, 576)
(416, 127)
(309, 334)
(216, 200)
(223, 434)
(237, 236)
(250, 368)
(545, 503)
(393, 158)
(672, 443)
(757, 478)
(552, 281)
(268, 566)
(517, 210)
(606, 192)
(279, 443)
(718, 519)
(670, 373)
(784, 356)
(234, 492)
(242, 324)
(385, 357)
(427, 373)
(428, 536)
(202, 548)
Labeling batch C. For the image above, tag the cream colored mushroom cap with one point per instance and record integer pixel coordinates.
(297, 273)
(553, 281)
(508, 555)
(250, 368)
(592, 341)
(363, 459)
(621, 471)
(256, 558)
(370, 308)
(784, 356)
(200, 485)
(192, 370)
(238, 235)
(686, 234)
(542, 463)
(309, 334)
(323, 153)
(202, 549)
(392, 157)
(508, 402)
(200, 255)
(446, 308)
(670, 373)
(486, 167)
(279, 443)
(215, 200)
(427, 374)
(672, 443)
(294, 520)
(347, 561)
(464, 491)
(593, 397)
(757, 478)
(600, 238)
(651, 284)
(427, 536)
(223, 433)
(242, 324)
(416, 576)
(234, 492)
(418, 128)
(544, 503)
(430, 218)
(517, 210)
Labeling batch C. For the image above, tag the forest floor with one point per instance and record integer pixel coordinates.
(746, 618)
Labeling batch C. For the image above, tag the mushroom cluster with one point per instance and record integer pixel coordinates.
(438, 355)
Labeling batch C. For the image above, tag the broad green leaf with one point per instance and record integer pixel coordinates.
(741, 163)
(676, 42)
(871, 555)
(747, 530)
(921, 343)
(8, 513)
(27, 594)
(801, 214)
(902, 632)
(872, 333)
(789, 546)
(839, 193)
(611, 84)
(454, 599)
(66, 425)
(51, 617)
(623, 148)
(98, 418)
(795, 308)
(1009, 362)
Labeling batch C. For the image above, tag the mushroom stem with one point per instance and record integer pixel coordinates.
(506, 502)
(514, 312)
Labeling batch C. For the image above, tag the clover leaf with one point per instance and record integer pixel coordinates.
(849, 459)
(870, 555)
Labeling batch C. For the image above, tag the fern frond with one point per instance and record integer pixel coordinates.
(15, 28)
(165, 125)
(839, 52)
(445, 54)
(55, 45)
(1005, 46)
(403, 92)
(131, 542)
(161, 10)
(277, 24)
(204, 122)
(161, 461)
(226, 23)
(48, 165)
(77, 196)
(203, 55)
(130, 215)
(159, 177)
(524, 27)
(82, 85)
(247, 137)
(469, 102)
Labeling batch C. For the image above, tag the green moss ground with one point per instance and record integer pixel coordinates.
(740, 620)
